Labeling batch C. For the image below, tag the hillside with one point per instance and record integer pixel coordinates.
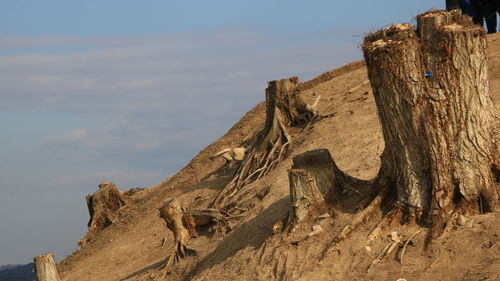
(17, 272)
(132, 248)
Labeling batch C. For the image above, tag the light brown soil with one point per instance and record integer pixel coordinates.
(131, 249)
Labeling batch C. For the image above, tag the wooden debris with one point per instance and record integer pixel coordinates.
(317, 229)
(232, 154)
(382, 257)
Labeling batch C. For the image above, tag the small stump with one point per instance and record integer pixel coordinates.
(102, 206)
(45, 268)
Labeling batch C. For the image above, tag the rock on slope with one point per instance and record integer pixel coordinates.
(131, 249)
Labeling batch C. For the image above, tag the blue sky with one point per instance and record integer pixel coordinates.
(130, 91)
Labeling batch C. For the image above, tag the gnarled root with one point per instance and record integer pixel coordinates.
(357, 220)
(182, 225)
(267, 150)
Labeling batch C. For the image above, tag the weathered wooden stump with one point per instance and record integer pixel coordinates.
(432, 95)
(311, 178)
(315, 182)
(45, 268)
(102, 206)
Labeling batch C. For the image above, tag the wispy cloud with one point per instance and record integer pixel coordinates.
(153, 100)
(71, 136)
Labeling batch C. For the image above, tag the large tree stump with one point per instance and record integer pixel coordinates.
(102, 206)
(45, 268)
(284, 107)
(432, 95)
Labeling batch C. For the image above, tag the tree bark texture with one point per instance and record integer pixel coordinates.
(432, 95)
(45, 268)
(102, 206)
(309, 184)
(284, 94)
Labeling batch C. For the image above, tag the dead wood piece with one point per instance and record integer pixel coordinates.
(382, 257)
(356, 87)
(183, 227)
(45, 268)
(231, 154)
(102, 206)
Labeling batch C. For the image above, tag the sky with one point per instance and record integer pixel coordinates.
(129, 91)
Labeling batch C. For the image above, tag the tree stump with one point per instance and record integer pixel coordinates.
(102, 206)
(45, 268)
(284, 108)
(432, 95)
(285, 95)
(315, 181)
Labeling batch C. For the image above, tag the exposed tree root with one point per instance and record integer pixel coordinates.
(406, 244)
(267, 150)
(387, 220)
(356, 221)
(382, 257)
(284, 108)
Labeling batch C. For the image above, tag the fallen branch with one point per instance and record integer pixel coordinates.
(356, 87)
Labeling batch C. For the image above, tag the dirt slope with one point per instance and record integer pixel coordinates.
(131, 249)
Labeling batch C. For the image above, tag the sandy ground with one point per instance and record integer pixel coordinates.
(132, 248)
